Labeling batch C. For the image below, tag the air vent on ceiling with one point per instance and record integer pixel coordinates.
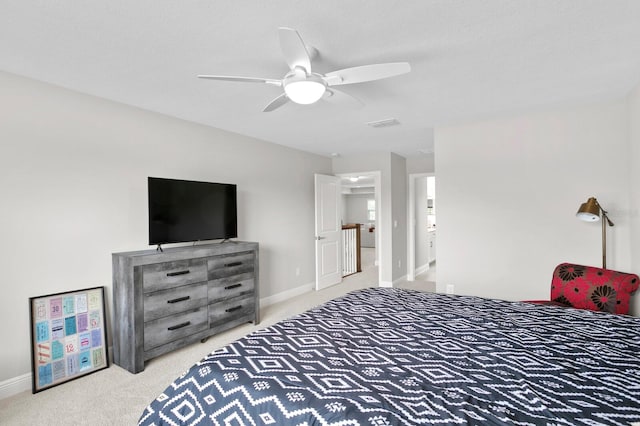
(384, 123)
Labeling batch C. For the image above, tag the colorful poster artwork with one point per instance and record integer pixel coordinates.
(70, 326)
(71, 344)
(94, 300)
(41, 310)
(45, 375)
(68, 306)
(81, 302)
(72, 365)
(44, 353)
(94, 319)
(96, 338)
(57, 328)
(55, 308)
(83, 322)
(98, 357)
(57, 349)
(42, 331)
(85, 360)
(68, 336)
(85, 341)
(59, 370)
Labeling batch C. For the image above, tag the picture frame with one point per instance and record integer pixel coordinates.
(68, 336)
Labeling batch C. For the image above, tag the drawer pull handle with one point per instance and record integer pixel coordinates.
(228, 265)
(235, 308)
(229, 287)
(175, 274)
(175, 327)
(179, 299)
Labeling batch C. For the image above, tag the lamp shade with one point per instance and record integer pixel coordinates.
(589, 211)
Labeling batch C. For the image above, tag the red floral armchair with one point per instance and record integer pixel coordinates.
(596, 289)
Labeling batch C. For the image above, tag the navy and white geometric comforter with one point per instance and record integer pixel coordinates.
(389, 356)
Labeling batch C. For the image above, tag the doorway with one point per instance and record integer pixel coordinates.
(361, 206)
(366, 186)
(421, 250)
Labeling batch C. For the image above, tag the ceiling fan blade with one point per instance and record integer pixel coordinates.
(276, 103)
(293, 48)
(243, 79)
(341, 98)
(366, 73)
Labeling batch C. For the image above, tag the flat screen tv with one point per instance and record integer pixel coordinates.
(183, 211)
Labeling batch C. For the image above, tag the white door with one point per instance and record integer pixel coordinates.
(328, 231)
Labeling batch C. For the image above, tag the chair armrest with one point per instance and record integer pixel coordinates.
(596, 289)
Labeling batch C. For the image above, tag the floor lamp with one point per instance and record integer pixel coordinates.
(590, 212)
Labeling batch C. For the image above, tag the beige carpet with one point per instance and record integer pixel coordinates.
(116, 397)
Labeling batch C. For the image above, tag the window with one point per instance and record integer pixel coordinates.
(371, 210)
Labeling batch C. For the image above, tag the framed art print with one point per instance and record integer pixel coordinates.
(68, 336)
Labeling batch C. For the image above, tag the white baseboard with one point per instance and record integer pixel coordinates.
(394, 282)
(15, 385)
(399, 280)
(287, 294)
(422, 269)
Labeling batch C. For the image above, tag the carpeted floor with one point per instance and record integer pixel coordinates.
(116, 397)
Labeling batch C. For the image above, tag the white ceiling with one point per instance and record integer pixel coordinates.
(470, 59)
(353, 184)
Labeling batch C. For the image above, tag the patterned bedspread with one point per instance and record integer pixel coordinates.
(388, 357)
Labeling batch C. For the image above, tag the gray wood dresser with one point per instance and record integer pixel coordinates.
(165, 300)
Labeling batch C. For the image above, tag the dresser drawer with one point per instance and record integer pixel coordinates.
(231, 309)
(168, 329)
(228, 287)
(231, 264)
(161, 276)
(175, 300)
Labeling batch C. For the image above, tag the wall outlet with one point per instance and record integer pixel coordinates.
(298, 271)
(450, 289)
(399, 264)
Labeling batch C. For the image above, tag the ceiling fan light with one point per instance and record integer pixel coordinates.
(305, 92)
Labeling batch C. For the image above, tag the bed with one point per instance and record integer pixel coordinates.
(386, 356)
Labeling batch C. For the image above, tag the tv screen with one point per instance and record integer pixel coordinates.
(182, 210)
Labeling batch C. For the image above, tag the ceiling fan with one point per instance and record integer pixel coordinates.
(303, 86)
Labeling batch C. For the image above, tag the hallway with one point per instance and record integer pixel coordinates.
(369, 276)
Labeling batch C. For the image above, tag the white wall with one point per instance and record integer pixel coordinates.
(399, 215)
(423, 163)
(344, 209)
(356, 207)
(508, 191)
(73, 172)
(357, 211)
